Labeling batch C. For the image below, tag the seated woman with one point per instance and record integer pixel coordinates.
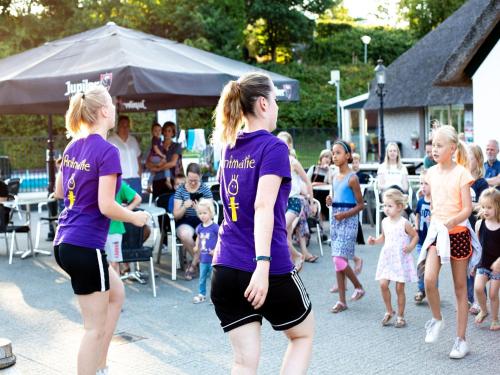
(392, 172)
(185, 200)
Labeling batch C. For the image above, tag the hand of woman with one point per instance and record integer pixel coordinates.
(188, 204)
(256, 292)
(450, 224)
(371, 240)
(140, 218)
(328, 200)
(495, 267)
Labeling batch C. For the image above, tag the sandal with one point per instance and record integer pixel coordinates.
(199, 298)
(358, 294)
(481, 316)
(400, 322)
(387, 318)
(312, 259)
(339, 307)
(495, 326)
(474, 309)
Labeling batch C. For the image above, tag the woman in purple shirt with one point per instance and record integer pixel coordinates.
(88, 180)
(253, 276)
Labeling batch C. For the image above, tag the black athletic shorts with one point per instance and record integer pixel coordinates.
(87, 267)
(287, 303)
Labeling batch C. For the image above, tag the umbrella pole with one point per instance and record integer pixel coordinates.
(51, 164)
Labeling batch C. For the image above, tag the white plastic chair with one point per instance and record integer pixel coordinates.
(317, 222)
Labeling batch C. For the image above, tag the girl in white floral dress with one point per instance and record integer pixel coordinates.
(395, 262)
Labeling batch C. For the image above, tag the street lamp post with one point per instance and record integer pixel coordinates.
(380, 77)
(335, 80)
(366, 40)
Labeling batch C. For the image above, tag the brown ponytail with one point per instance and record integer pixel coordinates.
(83, 109)
(237, 101)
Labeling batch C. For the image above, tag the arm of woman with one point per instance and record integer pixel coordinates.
(59, 193)
(381, 178)
(303, 176)
(180, 208)
(111, 209)
(464, 212)
(405, 185)
(267, 192)
(360, 203)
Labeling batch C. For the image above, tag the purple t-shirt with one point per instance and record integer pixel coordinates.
(207, 238)
(255, 155)
(81, 223)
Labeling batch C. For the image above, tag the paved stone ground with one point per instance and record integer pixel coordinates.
(170, 335)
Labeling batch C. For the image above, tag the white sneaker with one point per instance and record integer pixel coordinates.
(460, 349)
(102, 371)
(433, 328)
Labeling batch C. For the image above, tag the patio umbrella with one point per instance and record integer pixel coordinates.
(144, 72)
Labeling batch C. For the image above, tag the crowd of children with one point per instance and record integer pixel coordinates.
(452, 196)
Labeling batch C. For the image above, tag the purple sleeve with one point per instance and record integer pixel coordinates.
(110, 162)
(275, 160)
(155, 141)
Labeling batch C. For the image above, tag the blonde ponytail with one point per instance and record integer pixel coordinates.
(237, 101)
(461, 155)
(83, 110)
(229, 114)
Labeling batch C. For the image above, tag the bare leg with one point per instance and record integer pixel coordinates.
(290, 221)
(341, 282)
(494, 302)
(185, 233)
(116, 299)
(94, 309)
(432, 268)
(245, 341)
(400, 291)
(386, 295)
(479, 285)
(352, 276)
(298, 352)
(459, 272)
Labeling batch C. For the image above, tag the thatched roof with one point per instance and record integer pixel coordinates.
(410, 78)
(480, 38)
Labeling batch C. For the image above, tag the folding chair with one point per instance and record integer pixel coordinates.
(133, 250)
(315, 221)
(6, 227)
(51, 218)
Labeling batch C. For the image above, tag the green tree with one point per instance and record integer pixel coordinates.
(424, 15)
(284, 22)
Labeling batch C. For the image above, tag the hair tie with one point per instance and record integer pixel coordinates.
(346, 147)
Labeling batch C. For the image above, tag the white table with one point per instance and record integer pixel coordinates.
(27, 199)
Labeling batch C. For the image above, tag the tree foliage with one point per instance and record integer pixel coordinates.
(425, 15)
(283, 22)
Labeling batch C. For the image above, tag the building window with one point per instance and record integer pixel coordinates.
(446, 115)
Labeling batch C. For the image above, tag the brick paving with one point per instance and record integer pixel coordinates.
(170, 335)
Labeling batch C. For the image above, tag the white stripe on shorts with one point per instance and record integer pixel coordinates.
(301, 288)
(101, 270)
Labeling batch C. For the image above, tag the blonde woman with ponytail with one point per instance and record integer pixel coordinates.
(450, 235)
(88, 181)
(253, 276)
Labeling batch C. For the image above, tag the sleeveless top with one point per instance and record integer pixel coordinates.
(489, 240)
(296, 184)
(343, 196)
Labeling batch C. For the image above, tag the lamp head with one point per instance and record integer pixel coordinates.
(380, 73)
(366, 39)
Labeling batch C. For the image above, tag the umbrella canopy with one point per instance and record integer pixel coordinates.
(144, 72)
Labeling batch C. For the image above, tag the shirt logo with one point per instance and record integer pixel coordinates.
(71, 194)
(232, 189)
